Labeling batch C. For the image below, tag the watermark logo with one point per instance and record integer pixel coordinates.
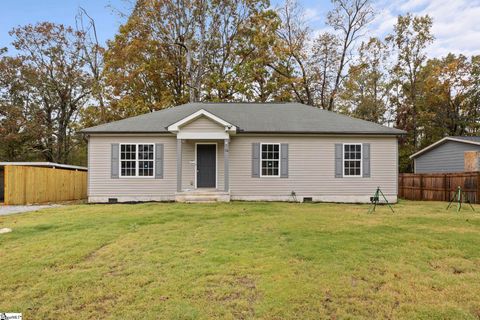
(10, 316)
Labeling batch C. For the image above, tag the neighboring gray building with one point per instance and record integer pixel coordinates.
(241, 151)
(445, 155)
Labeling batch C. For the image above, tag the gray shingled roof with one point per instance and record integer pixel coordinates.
(251, 118)
(460, 139)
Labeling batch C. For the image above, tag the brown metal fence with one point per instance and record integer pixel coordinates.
(438, 186)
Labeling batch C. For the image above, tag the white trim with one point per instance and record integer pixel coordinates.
(441, 141)
(216, 162)
(136, 176)
(203, 135)
(142, 198)
(175, 127)
(279, 159)
(361, 160)
(358, 198)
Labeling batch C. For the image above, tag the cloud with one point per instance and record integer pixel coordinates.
(456, 24)
(311, 15)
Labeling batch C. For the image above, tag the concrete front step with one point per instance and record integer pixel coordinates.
(202, 196)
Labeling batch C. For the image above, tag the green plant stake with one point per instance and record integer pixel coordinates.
(461, 196)
(376, 199)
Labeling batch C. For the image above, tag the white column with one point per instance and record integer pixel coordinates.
(179, 165)
(226, 146)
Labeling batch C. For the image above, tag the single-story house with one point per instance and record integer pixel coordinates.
(241, 151)
(450, 154)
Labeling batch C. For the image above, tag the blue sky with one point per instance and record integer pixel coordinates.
(456, 26)
(21, 12)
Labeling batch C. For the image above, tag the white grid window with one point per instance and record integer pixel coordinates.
(270, 159)
(352, 160)
(136, 160)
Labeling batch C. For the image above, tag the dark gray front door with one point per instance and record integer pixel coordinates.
(206, 165)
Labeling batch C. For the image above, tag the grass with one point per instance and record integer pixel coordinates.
(242, 261)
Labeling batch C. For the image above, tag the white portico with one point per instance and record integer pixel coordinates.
(202, 156)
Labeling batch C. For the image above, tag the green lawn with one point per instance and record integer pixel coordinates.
(242, 261)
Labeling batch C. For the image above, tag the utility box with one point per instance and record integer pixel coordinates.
(472, 161)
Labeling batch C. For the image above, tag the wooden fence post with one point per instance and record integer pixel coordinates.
(6, 187)
(445, 189)
(421, 187)
(478, 188)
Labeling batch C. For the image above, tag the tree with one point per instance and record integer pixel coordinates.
(445, 106)
(366, 88)
(96, 111)
(473, 96)
(172, 52)
(240, 51)
(292, 61)
(325, 59)
(16, 129)
(410, 38)
(55, 85)
(349, 18)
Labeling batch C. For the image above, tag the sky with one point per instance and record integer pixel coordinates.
(455, 22)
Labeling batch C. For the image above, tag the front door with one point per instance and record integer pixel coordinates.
(206, 165)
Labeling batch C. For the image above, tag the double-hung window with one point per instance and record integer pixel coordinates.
(352, 160)
(136, 160)
(270, 160)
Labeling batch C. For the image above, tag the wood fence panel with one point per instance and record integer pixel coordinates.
(439, 186)
(25, 185)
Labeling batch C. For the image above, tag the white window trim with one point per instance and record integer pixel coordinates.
(216, 162)
(136, 176)
(279, 160)
(361, 160)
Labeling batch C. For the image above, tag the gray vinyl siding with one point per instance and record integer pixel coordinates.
(101, 185)
(202, 124)
(447, 157)
(312, 168)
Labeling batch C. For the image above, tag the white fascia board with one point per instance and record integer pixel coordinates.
(175, 127)
(203, 135)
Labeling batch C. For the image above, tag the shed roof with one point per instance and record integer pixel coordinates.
(474, 139)
(251, 118)
(461, 139)
(44, 164)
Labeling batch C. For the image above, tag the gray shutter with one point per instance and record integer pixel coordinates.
(114, 161)
(256, 160)
(338, 160)
(366, 160)
(159, 161)
(284, 160)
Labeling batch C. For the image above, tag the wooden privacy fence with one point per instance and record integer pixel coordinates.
(438, 186)
(26, 185)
